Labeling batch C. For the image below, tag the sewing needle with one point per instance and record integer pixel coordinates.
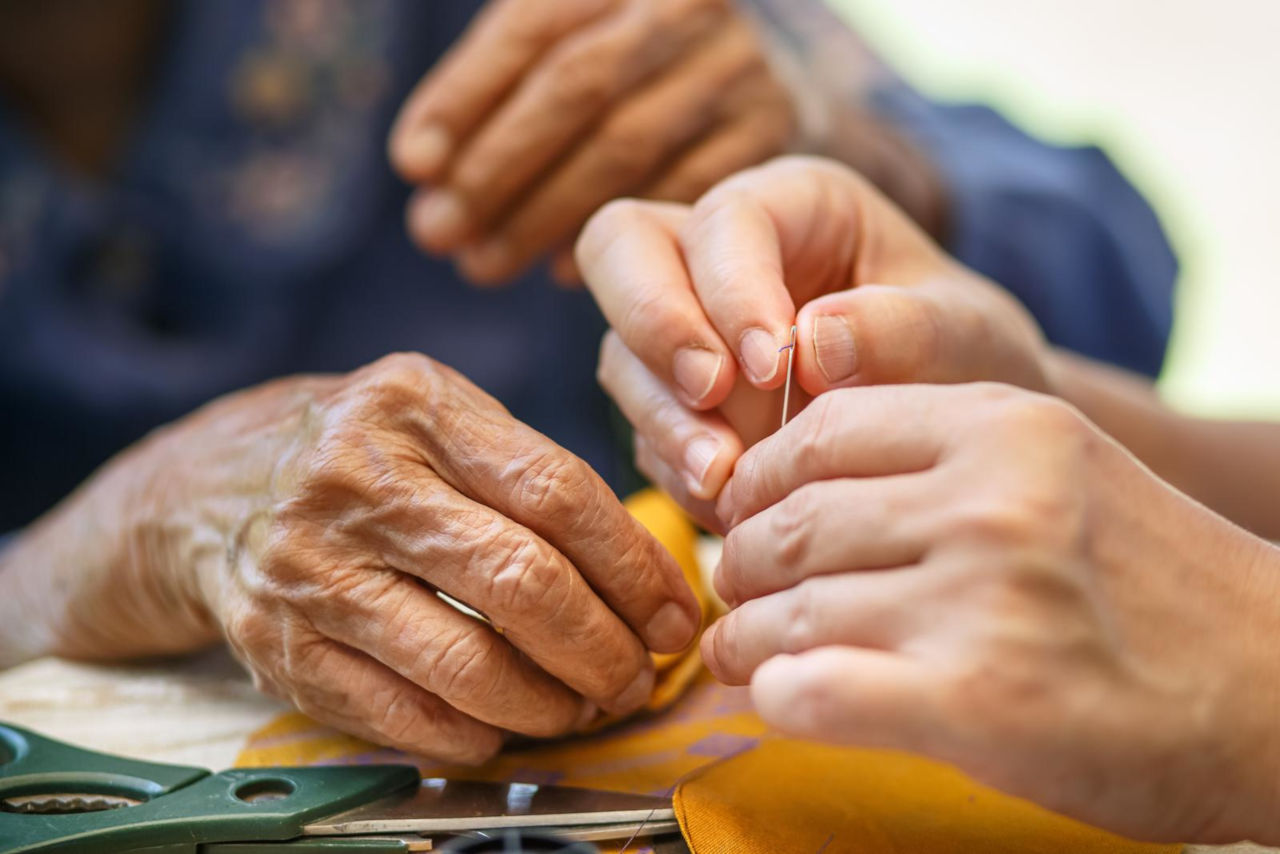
(786, 392)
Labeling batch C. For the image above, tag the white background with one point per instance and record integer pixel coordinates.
(1185, 96)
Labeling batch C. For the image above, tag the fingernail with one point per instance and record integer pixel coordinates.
(707, 645)
(759, 354)
(724, 506)
(695, 371)
(833, 348)
(441, 220)
(669, 629)
(485, 261)
(698, 457)
(427, 149)
(636, 694)
(587, 716)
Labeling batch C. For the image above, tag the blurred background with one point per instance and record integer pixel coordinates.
(1183, 96)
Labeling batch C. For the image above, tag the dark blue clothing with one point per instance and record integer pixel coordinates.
(1059, 227)
(254, 230)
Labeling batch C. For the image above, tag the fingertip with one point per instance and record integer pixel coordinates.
(828, 348)
(635, 695)
(771, 690)
(488, 747)
(671, 628)
(437, 220)
(420, 154)
(762, 357)
(697, 371)
(477, 746)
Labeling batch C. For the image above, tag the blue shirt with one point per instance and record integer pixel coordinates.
(254, 230)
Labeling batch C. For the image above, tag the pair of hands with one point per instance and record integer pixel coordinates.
(312, 521)
(543, 112)
(920, 559)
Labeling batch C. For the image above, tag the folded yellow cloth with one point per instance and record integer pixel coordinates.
(736, 789)
(793, 796)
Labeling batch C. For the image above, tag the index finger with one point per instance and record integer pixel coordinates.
(497, 461)
(771, 238)
(857, 432)
(631, 263)
(475, 75)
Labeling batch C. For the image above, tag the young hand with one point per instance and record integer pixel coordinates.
(978, 574)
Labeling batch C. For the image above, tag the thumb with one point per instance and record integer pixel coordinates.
(869, 335)
(947, 330)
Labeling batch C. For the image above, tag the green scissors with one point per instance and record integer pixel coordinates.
(59, 798)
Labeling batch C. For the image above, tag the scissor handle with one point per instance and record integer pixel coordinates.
(178, 807)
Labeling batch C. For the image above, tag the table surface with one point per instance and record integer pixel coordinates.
(195, 711)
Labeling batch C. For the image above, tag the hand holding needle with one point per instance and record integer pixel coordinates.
(786, 391)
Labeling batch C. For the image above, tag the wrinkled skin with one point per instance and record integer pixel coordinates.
(978, 574)
(542, 112)
(311, 521)
(701, 300)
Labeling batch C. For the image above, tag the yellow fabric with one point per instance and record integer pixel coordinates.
(845, 801)
(735, 788)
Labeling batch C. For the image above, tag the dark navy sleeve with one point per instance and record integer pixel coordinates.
(1060, 227)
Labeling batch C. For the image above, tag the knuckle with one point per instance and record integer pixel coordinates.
(791, 529)
(398, 716)
(580, 80)
(721, 201)
(389, 393)
(730, 580)
(527, 582)
(250, 630)
(986, 397)
(1042, 416)
(546, 483)
(801, 629)
(617, 217)
(397, 371)
(822, 421)
(625, 151)
(463, 670)
(605, 227)
(996, 522)
(814, 701)
(308, 659)
(646, 315)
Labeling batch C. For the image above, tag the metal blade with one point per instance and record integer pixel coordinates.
(588, 832)
(444, 806)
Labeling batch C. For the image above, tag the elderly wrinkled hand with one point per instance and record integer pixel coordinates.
(543, 112)
(979, 574)
(701, 301)
(313, 521)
